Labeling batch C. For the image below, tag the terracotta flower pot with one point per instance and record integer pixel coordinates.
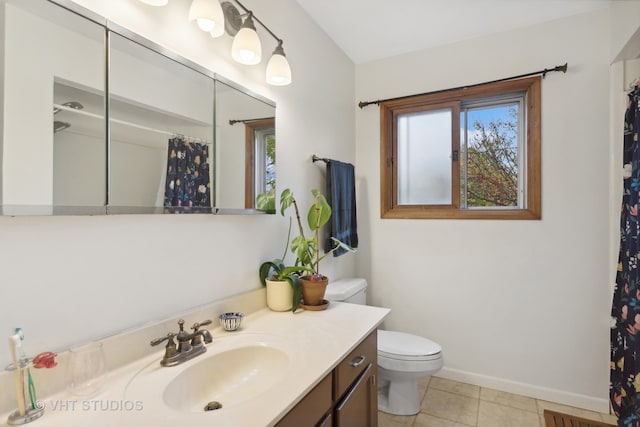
(279, 295)
(313, 290)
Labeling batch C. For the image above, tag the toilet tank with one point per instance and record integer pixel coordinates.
(353, 290)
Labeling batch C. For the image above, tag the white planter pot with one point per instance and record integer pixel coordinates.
(279, 295)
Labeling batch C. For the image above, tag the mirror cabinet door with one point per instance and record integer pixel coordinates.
(161, 133)
(246, 140)
(151, 147)
(53, 144)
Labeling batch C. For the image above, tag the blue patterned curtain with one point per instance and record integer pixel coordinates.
(188, 187)
(624, 389)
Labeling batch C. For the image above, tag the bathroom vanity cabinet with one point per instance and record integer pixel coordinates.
(347, 396)
(311, 370)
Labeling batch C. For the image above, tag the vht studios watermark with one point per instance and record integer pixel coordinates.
(95, 405)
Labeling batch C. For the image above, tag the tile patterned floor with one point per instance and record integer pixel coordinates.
(449, 403)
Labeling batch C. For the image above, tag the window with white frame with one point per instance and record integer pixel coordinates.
(260, 164)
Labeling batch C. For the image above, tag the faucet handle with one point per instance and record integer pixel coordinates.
(197, 325)
(169, 350)
(169, 338)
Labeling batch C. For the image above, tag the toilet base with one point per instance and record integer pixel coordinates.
(398, 397)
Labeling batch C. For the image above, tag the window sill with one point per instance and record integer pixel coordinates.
(417, 212)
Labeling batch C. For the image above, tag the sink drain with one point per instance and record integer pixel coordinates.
(212, 406)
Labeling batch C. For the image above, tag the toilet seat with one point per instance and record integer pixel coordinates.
(401, 346)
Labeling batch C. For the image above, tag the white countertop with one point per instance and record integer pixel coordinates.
(317, 340)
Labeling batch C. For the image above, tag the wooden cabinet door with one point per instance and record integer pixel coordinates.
(312, 409)
(359, 406)
(352, 367)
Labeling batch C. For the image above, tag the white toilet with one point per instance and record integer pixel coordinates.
(403, 358)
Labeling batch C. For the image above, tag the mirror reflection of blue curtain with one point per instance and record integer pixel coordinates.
(624, 391)
(187, 185)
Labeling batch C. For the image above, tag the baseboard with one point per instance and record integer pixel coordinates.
(536, 392)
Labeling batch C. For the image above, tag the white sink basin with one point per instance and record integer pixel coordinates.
(235, 370)
(230, 377)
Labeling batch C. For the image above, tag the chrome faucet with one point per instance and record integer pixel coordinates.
(189, 345)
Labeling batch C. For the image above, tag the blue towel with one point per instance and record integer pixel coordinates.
(341, 195)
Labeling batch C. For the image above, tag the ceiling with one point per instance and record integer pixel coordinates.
(374, 29)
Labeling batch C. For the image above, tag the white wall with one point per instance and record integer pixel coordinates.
(625, 33)
(521, 306)
(142, 77)
(141, 172)
(67, 279)
(77, 153)
(28, 96)
(2, 85)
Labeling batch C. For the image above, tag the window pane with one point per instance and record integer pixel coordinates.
(413, 147)
(270, 163)
(265, 158)
(424, 158)
(491, 157)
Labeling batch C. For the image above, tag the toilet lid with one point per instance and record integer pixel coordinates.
(342, 289)
(399, 345)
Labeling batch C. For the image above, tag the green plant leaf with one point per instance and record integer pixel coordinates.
(296, 285)
(264, 270)
(319, 212)
(294, 270)
(303, 249)
(338, 244)
(286, 200)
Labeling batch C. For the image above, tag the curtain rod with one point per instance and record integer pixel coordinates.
(544, 72)
(233, 122)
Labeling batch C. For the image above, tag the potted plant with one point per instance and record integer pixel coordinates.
(307, 249)
(284, 288)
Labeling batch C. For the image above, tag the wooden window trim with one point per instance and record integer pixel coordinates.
(388, 184)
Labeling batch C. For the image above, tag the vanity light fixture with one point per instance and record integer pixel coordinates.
(246, 47)
(278, 69)
(209, 16)
(216, 18)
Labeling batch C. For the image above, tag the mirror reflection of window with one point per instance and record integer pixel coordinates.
(245, 147)
(161, 122)
(260, 167)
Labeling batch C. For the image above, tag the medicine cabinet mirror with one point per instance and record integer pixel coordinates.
(171, 136)
(245, 133)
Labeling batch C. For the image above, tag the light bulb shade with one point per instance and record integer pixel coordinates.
(278, 69)
(209, 16)
(246, 47)
(155, 2)
(217, 31)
